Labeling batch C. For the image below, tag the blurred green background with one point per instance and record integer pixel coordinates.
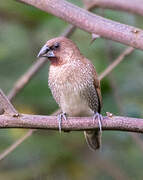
(47, 154)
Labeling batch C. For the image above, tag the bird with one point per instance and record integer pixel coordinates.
(74, 84)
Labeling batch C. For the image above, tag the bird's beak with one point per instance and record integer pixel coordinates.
(46, 52)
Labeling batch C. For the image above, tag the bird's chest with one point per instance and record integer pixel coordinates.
(68, 87)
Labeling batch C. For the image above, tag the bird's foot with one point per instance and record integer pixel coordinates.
(99, 117)
(60, 116)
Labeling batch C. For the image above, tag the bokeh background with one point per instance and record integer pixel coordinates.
(47, 154)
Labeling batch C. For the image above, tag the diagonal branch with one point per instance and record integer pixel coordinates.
(26, 77)
(90, 22)
(68, 31)
(73, 123)
(116, 62)
(16, 143)
(135, 6)
(7, 106)
(118, 98)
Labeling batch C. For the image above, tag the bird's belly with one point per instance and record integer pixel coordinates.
(73, 104)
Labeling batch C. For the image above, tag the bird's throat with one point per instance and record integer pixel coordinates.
(55, 61)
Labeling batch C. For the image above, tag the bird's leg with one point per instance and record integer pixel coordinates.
(99, 117)
(60, 116)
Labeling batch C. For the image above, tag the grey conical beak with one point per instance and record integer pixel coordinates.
(46, 52)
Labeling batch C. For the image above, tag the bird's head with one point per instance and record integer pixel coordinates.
(59, 50)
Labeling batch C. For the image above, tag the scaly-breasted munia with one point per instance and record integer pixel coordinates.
(74, 83)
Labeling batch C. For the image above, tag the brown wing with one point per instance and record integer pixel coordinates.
(98, 89)
(96, 83)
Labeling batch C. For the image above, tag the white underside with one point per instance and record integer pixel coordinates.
(74, 105)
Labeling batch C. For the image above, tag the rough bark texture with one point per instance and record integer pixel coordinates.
(73, 123)
(90, 22)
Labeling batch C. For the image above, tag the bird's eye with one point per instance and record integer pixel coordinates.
(56, 45)
(47, 49)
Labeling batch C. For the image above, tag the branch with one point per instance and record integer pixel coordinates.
(15, 144)
(7, 106)
(135, 6)
(117, 97)
(26, 77)
(117, 61)
(73, 123)
(68, 31)
(90, 22)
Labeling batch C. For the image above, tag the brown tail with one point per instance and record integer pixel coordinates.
(93, 139)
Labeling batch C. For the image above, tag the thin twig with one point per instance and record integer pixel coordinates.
(136, 6)
(118, 100)
(68, 31)
(26, 77)
(112, 66)
(7, 106)
(90, 22)
(15, 144)
(19, 141)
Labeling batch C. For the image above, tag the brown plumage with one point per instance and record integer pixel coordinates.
(73, 81)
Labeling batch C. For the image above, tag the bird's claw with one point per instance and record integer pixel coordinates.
(60, 116)
(99, 117)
